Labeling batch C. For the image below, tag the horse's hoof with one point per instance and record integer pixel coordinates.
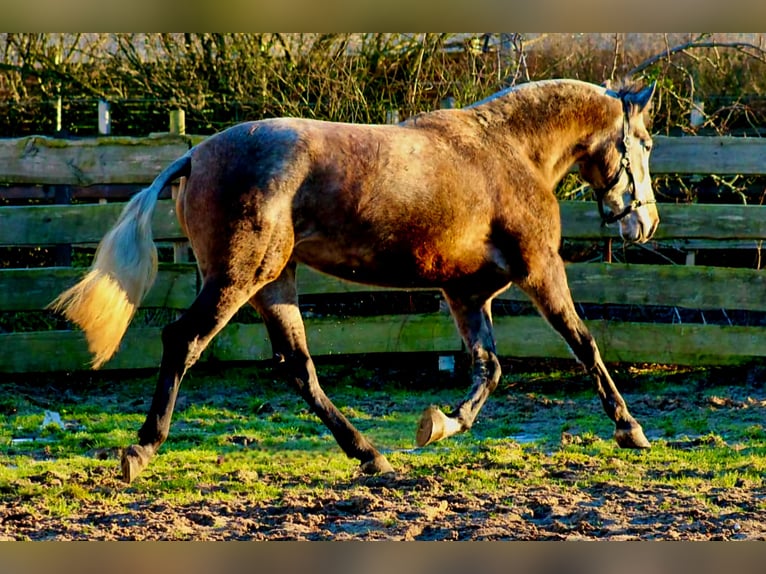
(378, 465)
(434, 425)
(134, 460)
(631, 437)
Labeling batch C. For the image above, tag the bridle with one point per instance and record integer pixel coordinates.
(607, 218)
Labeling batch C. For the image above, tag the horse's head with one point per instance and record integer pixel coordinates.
(618, 169)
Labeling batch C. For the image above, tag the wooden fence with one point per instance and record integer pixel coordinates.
(82, 165)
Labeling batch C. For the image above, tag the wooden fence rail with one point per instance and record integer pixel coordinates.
(135, 161)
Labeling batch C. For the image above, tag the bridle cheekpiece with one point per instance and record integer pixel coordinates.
(607, 218)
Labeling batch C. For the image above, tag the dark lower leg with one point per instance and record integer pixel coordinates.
(628, 432)
(485, 377)
(156, 427)
(277, 304)
(302, 373)
(183, 341)
(547, 285)
(475, 325)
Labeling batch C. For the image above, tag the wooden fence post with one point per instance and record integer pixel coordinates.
(62, 253)
(177, 122)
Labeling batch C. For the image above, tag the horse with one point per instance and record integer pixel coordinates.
(458, 200)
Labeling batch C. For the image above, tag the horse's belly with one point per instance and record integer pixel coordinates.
(403, 268)
(385, 270)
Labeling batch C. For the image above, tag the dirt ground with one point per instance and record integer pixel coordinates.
(406, 507)
(423, 511)
(544, 513)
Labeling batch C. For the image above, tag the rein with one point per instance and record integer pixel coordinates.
(607, 218)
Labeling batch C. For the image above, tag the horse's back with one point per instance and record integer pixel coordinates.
(367, 170)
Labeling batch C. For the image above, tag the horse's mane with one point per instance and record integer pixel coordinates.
(622, 87)
(616, 88)
(528, 85)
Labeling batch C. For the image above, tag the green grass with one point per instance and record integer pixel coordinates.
(241, 434)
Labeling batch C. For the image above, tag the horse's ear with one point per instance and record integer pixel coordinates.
(642, 98)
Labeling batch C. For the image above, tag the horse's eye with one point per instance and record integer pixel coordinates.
(647, 144)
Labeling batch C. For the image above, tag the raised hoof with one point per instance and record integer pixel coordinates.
(134, 460)
(434, 425)
(378, 465)
(631, 437)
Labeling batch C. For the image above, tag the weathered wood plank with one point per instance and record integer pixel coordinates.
(352, 335)
(636, 342)
(708, 155)
(44, 160)
(75, 224)
(527, 336)
(517, 337)
(64, 351)
(112, 192)
(692, 287)
(33, 289)
(581, 220)
(67, 350)
(708, 221)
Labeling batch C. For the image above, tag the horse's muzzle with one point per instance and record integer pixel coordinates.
(638, 231)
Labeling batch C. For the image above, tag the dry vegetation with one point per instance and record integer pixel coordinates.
(222, 78)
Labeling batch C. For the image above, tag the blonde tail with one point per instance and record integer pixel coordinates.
(123, 270)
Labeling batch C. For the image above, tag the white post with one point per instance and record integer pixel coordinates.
(697, 116)
(57, 62)
(58, 114)
(696, 119)
(104, 118)
(392, 116)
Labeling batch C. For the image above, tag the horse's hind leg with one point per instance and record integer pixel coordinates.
(183, 341)
(277, 304)
(474, 321)
(548, 288)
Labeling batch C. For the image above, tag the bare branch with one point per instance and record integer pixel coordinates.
(760, 53)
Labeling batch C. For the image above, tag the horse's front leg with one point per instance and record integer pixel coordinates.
(277, 303)
(549, 290)
(474, 321)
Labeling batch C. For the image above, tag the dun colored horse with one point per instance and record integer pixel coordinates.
(458, 200)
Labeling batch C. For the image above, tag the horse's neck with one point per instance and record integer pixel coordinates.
(553, 136)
